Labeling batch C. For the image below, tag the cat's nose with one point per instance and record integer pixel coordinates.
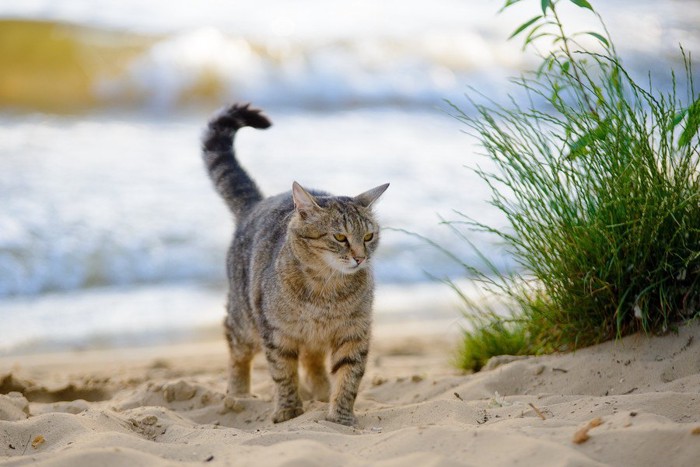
(359, 259)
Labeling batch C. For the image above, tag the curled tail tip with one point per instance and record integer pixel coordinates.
(238, 116)
(223, 126)
(252, 117)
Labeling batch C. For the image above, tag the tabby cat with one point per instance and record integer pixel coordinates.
(300, 282)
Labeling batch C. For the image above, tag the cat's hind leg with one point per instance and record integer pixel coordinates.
(242, 347)
(315, 378)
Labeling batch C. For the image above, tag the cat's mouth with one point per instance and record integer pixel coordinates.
(353, 266)
(345, 265)
(350, 267)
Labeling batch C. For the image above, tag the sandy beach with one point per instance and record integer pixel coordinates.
(631, 402)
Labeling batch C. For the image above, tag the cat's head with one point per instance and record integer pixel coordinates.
(337, 232)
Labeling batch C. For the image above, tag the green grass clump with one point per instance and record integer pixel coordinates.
(492, 337)
(598, 179)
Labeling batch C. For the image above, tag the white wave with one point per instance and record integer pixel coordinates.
(308, 72)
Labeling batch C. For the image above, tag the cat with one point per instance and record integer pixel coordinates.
(300, 279)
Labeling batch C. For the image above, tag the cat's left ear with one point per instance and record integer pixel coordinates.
(303, 200)
(367, 198)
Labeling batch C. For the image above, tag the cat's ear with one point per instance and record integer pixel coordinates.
(303, 200)
(367, 198)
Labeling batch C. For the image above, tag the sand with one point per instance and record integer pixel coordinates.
(635, 402)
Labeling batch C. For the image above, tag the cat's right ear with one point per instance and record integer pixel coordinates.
(368, 197)
(304, 202)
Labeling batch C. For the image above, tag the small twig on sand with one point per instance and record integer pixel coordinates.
(537, 411)
(27, 444)
(581, 436)
(458, 396)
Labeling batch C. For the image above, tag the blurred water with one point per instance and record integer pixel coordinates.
(118, 202)
(108, 224)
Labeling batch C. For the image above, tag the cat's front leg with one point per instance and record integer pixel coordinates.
(283, 364)
(348, 362)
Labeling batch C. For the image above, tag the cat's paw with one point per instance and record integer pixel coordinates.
(232, 404)
(282, 415)
(347, 419)
(322, 396)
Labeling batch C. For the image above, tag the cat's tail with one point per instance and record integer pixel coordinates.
(231, 181)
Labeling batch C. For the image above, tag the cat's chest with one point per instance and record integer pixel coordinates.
(314, 322)
(322, 314)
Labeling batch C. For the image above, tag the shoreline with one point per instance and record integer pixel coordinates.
(195, 314)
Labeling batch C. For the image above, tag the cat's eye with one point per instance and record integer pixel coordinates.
(340, 237)
(369, 237)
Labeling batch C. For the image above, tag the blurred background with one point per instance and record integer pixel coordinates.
(110, 233)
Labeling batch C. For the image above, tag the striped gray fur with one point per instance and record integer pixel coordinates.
(300, 280)
(233, 184)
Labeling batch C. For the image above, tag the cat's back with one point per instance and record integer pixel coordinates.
(257, 241)
(266, 224)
